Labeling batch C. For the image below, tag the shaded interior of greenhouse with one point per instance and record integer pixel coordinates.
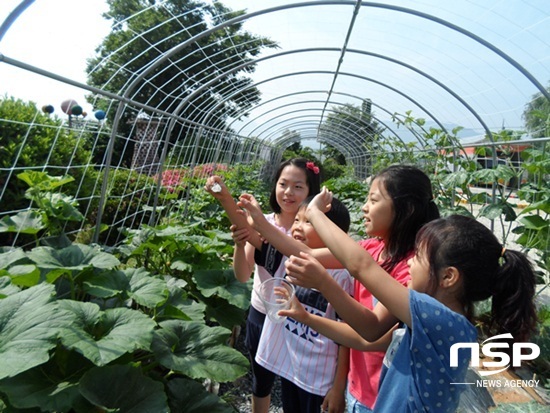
(170, 89)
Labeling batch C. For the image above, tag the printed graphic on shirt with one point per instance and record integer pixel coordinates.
(314, 302)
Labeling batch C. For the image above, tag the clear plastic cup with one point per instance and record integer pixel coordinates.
(276, 294)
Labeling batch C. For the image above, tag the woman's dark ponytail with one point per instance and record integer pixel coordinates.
(513, 309)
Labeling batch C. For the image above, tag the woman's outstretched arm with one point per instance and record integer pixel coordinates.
(390, 292)
(217, 188)
(337, 331)
(287, 246)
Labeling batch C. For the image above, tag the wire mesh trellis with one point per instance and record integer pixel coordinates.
(195, 87)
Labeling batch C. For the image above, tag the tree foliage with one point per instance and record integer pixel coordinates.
(537, 115)
(145, 31)
(31, 138)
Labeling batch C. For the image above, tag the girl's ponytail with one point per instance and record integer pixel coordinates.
(487, 271)
(513, 310)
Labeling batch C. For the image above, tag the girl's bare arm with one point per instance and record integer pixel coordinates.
(390, 292)
(286, 245)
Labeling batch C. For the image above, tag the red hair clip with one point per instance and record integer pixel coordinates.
(311, 166)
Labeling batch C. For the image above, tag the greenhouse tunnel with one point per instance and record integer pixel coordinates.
(181, 85)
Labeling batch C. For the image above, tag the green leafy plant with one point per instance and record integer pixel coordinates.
(82, 329)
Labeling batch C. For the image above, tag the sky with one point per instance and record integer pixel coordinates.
(38, 39)
(65, 52)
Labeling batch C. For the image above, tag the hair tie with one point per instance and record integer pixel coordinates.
(501, 259)
(311, 166)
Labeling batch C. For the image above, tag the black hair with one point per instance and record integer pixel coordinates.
(313, 179)
(487, 270)
(338, 212)
(411, 192)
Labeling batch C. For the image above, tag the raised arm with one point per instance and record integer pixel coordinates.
(307, 272)
(217, 188)
(286, 245)
(358, 262)
(337, 331)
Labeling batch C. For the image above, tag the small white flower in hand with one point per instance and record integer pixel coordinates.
(216, 187)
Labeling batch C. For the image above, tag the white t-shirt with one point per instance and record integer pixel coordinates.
(297, 352)
(260, 273)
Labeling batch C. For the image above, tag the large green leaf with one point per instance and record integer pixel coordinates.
(103, 336)
(495, 210)
(29, 326)
(224, 313)
(7, 288)
(37, 388)
(26, 222)
(198, 351)
(107, 284)
(179, 305)
(137, 284)
(146, 290)
(124, 388)
(76, 257)
(42, 181)
(13, 256)
(535, 222)
(188, 396)
(24, 275)
(224, 284)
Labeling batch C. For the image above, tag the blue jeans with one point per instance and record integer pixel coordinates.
(354, 406)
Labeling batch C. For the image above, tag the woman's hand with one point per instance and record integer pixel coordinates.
(296, 311)
(215, 186)
(322, 201)
(252, 208)
(240, 235)
(306, 271)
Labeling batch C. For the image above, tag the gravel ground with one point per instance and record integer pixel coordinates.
(239, 395)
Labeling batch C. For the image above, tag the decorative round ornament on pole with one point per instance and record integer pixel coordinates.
(99, 115)
(48, 109)
(67, 106)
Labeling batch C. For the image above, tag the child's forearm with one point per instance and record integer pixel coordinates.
(236, 218)
(289, 246)
(362, 267)
(365, 322)
(342, 368)
(241, 264)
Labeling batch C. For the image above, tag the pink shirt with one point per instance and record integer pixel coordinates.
(365, 366)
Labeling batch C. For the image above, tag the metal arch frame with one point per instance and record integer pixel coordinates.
(418, 137)
(236, 68)
(386, 127)
(285, 127)
(277, 141)
(367, 4)
(533, 80)
(346, 74)
(400, 9)
(347, 150)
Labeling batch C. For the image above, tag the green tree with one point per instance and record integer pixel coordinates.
(31, 139)
(537, 115)
(152, 28)
(355, 126)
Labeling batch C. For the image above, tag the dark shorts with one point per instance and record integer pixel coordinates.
(297, 400)
(262, 379)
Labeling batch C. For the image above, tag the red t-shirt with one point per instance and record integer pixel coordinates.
(365, 366)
